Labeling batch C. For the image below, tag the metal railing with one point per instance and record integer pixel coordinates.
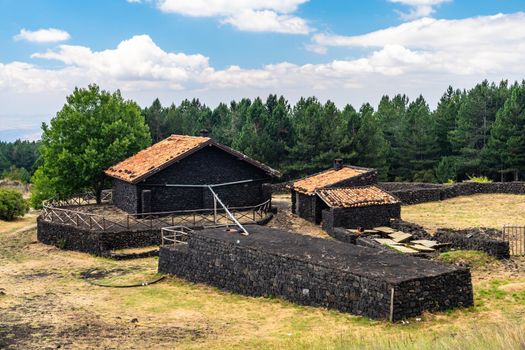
(515, 235)
(56, 210)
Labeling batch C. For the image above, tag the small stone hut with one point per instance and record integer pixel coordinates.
(352, 207)
(306, 202)
(173, 174)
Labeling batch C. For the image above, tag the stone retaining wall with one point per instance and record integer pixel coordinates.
(93, 242)
(366, 217)
(318, 272)
(413, 193)
(484, 240)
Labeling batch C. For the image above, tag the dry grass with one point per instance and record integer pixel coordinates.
(484, 210)
(45, 303)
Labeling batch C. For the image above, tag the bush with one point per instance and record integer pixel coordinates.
(17, 174)
(480, 179)
(12, 204)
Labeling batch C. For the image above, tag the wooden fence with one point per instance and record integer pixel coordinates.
(57, 210)
(515, 235)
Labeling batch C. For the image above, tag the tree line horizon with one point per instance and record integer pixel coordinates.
(475, 132)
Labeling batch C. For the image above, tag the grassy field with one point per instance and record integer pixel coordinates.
(483, 210)
(45, 303)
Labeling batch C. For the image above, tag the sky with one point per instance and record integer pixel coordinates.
(346, 51)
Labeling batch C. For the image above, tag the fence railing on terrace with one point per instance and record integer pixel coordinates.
(515, 235)
(175, 235)
(57, 210)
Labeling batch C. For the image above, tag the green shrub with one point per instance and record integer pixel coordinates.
(480, 179)
(446, 169)
(424, 176)
(17, 174)
(12, 204)
(472, 258)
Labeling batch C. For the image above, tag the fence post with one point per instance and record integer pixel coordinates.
(214, 210)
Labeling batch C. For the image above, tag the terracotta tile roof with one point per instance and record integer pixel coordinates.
(164, 153)
(348, 197)
(326, 178)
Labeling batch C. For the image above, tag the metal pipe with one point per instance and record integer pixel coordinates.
(205, 186)
(244, 232)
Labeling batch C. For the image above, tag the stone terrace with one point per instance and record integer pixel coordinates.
(319, 272)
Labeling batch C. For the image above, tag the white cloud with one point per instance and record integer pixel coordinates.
(209, 8)
(420, 57)
(418, 8)
(50, 35)
(318, 49)
(466, 46)
(246, 15)
(137, 59)
(267, 21)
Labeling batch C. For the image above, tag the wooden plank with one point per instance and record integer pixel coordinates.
(421, 248)
(370, 231)
(385, 241)
(425, 242)
(384, 229)
(400, 237)
(404, 249)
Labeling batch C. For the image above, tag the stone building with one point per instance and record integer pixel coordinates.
(305, 200)
(174, 173)
(352, 207)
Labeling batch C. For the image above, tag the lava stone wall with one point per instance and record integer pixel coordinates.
(263, 272)
(417, 231)
(447, 291)
(367, 217)
(413, 193)
(209, 165)
(475, 239)
(94, 242)
(125, 196)
(305, 206)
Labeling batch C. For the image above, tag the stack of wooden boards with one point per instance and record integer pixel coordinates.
(403, 242)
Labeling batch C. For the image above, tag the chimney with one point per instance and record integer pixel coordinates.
(338, 164)
(205, 133)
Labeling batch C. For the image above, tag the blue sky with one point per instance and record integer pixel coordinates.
(217, 50)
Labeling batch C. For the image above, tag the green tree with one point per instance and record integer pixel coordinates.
(445, 117)
(475, 117)
(391, 114)
(155, 117)
(506, 146)
(318, 131)
(419, 150)
(446, 169)
(94, 130)
(365, 144)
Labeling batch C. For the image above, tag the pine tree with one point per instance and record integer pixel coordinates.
(475, 118)
(370, 145)
(391, 114)
(506, 147)
(419, 151)
(155, 118)
(445, 117)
